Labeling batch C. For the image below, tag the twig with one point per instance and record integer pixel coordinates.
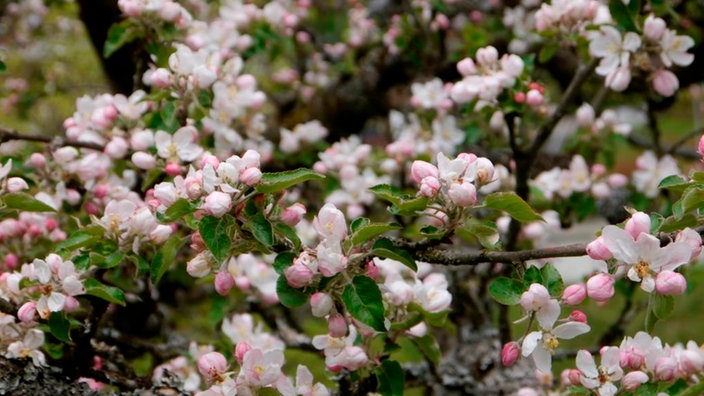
(7, 135)
(683, 152)
(654, 129)
(453, 257)
(682, 140)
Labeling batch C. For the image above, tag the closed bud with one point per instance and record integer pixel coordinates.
(172, 169)
(637, 224)
(27, 312)
(619, 79)
(11, 261)
(466, 67)
(534, 98)
(211, 365)
(665, 82)
(241, 349)
(429, 186)
(654, 28)
(337, 325)
(321, 304)
(597, 250)
(224, 282)
(510, 353)
(585, 115)
(116, 148)
(535, 297)
(633, 380)
(670, 283)
(37, 160)
(574, 294)
(464, 194)
(16, 184)
(298, 275)
(143, 160)
(217, 203)
(665, 368)
(578, 316)
(422, 169)
(251, 176)
(293, 214)
(600, 287)
(487, 56)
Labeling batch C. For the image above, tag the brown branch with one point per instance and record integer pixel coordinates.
(677, 145)
(453, 257)
(7, 135)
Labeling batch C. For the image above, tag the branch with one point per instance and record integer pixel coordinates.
(683, 152)
(455, 257)
(7, 135)
(676, 146)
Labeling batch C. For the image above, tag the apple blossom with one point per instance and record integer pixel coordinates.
(600, 287)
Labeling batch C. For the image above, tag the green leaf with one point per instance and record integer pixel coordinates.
(290, 297)
(77, 240)
(547, 51)
(164, 258)
(674, 183)
(111, 260)
(552, 280)
(358, 222)
(273, 182)
(391, 378)
(25, 202)
(119, 35)
(429, 346)
(512, 204)
(108, 293)
(672, 224)
(260, 227)
(369, 231)
(662, 305)
(180, 208)
(363, 301)
(483, 231)
(532, 275)
(622, 14)
(694, 390)
(60, 326)
(693, 198)
(506, 291)
(3, 67)
(283, 261)
(169, 114)
(216, 233)
(386, 249)
(403, 204)
(289, 233)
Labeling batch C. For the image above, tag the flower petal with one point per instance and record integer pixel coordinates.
(569, 330)
(585, 364)
(548, 314)
(542, 359)
(621, 244)
(530, 342)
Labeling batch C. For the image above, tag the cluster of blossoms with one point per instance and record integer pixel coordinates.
(568, 16)
(412, 138)
(156, 10)
(402, 286)
(653, 52)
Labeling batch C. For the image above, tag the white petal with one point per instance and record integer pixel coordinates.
(569, 330)
(672, 256)
(621, 244)
(608, 389)
(55, 302)
(548, 314)
(586, 364)
(648, 283)
(529, 343)
(542, 359)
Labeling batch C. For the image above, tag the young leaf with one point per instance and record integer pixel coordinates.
(260, 227)
(506, 291)
(358, 222)
(552, 280)
(369, 231)
(532, 275)
(119, 35)
(178, 209)
(290, 297)
(391, 378)
(273, 182)
(512, 204)
(215, 232)
(78, 240)
(429, 346)
(386, 249)
(485, 232)
(622, 14)
(164, 258)
(60, 326)
(108, 293)
(283, 261)
(363, 300)
(25, 202)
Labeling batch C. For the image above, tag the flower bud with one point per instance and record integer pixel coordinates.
(665, 368)
(693, 239)
(337, 326)
(578, 316)
(654, 28)
(70, 304)
(251, 176)
(116, 148)
(534, 98)
(637, 224)
(224, 282)
(570, 377)
(16, 184)
(510, 353)
(217, 203)
(464, 194)
(429, 186)
(293, 214)
(298, 275)
(172, 169)
(574, 294)
(585, 115)
(241, 349)
(512, 65)
(670, 283)
(11, 261)
(597, 249)
(372, 270)
(600, 287)
(321, 304)
(211, 365)
(665, 82)
(27, 312)
(198, 266)
(619, 79)
(535, 297)
(700, 145)
(37, 160)
(633, 380)
(487, 56)
(466, 67)
(143, 160)
(422, 169)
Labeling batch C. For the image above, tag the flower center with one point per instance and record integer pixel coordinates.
(551, 342)
(642, 268)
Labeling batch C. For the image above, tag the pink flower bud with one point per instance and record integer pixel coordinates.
(487, 56)
(27, 312)
(578, 316)
(519, 97)
(224, 282)
(251, 176)
(298, 275)
(670, 283)
(429, 186)
(600, 287)
(197, 242)
(209, 159)
(337, 326)
(617, 180)
(293, 214)
(321, 304)
(172, 169)
(534, 98)
(211, 365)
(16, 184)
(37, 160)
(241, 349)
(372, 270)
(143, 160)
(654, 28)
(637, 224)
(217, 203)
(116, 148)
(585, 115)
(535, 297)
(70, 304)
(619, 79)
(665, 368)
(11, 261)
(510, 353)
(422, 169)
(466, 67)
(572, 377)
(700, 146)
(693, 239)
(633, 380)
(574, 294)
(665, 82)
(464, 194)
(597, 250)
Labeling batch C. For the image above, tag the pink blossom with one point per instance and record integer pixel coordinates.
(211, 365)
(217, 203)
(665, 82)
(574, 294)
(600, 287)
(633, 380)
(330, 223)
(293, 214)
(321, 304)
(670, 283)
(298, 275)
(510, 353)
(421, 170)
(654, 28)
(337, 325)
(224, 282)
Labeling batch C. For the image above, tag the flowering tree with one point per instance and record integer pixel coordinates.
(228, 221)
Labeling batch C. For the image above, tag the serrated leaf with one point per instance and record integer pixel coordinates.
(260, 227)
(273, 182)
(672, 224)
(373, 230)
(512, 204)
(25, 202)
(289, 233)
(362, 299)
(358, 222)
(290, 297)
(178, 209)
(164, 258)
(60, 326)
(108, 293)
(552, 280)
(402, 203)
(674, 183)
(548, 51)
(390, 378)
(283, 261)
(215, 232)
(111, 260)
(120, 34)
(693, 198)
(386, 249)
(532, 275)
(506, 291)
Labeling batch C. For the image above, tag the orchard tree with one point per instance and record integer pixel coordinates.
(310, 198)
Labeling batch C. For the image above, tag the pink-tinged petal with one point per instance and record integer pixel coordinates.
(608, 389)
(631, 42)
(633, 274)
(530, 342)
(648, 284)
(621, 244)
(648, 247)
(672, 256)
(570, 330)
(589, 383)
(548, 314)
(55, 302)
(610, 358)
(682, 58)
(585, 364)
(542, 359)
